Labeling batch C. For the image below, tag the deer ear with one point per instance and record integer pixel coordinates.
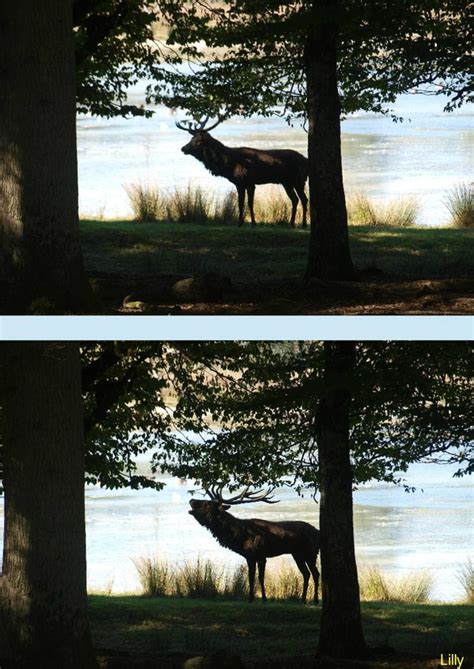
(225, 506)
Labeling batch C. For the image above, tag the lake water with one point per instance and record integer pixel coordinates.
(425, 156)
(401, 532)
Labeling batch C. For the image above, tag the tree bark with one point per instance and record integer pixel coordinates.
(41, 268)
(329, 250)
(341, 632)
(43, 584)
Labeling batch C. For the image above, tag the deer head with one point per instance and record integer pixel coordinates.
(203, 509)
(200, 136)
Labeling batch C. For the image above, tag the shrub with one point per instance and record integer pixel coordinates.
(460, 204)
(146, 202)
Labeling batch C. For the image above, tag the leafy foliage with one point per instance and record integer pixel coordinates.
(254, 57)
(410, 402)
(245, 412)
(115, 48)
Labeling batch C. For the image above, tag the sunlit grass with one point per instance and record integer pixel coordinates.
(193, 204)
(465, 576)
(402, 213)
(460, 204)
(146, 202)
(203, 579)
(414, 588)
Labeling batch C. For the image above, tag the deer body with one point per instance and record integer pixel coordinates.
(246, 167)
(256, 540)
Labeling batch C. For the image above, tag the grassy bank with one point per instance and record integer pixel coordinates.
(275, 630)
(267, 252)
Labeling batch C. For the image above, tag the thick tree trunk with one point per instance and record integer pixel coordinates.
(40, 258)
(43, 584)
(341, 632)
(329, 250)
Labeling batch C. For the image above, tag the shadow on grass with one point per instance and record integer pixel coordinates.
(275, 630)
(266, 252)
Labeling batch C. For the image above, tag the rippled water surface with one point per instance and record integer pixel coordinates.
(424, 156)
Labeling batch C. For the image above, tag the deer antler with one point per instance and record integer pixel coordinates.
(245, 497)
(198, 125)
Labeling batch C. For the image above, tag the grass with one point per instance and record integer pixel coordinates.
(145, 201)
(193, 204)
(460, 204)
(266, 252)
(401, 213)
(465, 576)
(274, 630)
(412, 588)
(202, 579)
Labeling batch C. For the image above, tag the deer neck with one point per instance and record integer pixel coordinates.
(227, 529)
(218, 159)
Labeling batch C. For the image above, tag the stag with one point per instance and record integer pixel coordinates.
(256, 539)
(246, 167)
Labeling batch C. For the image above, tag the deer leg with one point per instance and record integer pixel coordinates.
(301, 564)
(304, 202)
(294, 203)
(251, 564)
(250, 196)
(261, 577)
(241, 195)
(311, 564)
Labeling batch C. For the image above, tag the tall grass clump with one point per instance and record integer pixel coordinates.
(236, 584)
(226, 209)
(286, 582)
(460, 204)
(145, 201)
(412, 588)
(273, 206)
(188, 205)
(465, 577)
(398, 213)
(155, 575)
(199, 580)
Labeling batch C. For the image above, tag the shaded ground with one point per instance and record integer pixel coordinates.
(139, 631)
(201, 269)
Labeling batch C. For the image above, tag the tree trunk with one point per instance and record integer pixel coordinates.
(41, 267)
(43, 584)
(329, 250)
(341, 632)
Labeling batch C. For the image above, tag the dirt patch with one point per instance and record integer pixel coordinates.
(215, 294)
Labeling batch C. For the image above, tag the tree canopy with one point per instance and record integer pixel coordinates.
(115, 48)
(240, 412)
(254, 55)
